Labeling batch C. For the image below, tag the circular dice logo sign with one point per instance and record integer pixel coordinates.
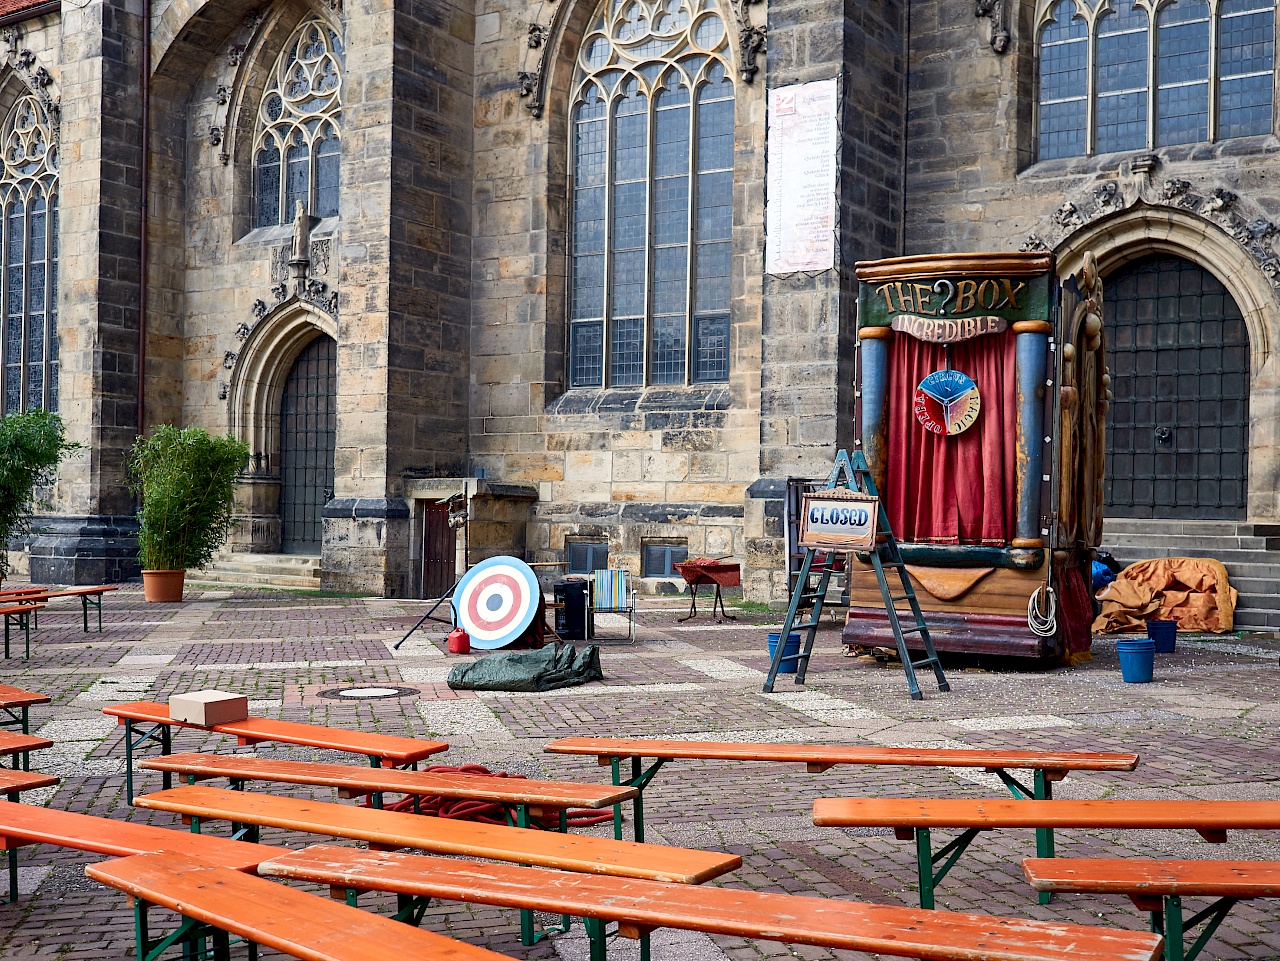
(496, 601)
(947, 402)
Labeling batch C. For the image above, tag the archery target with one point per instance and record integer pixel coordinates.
(496, 601)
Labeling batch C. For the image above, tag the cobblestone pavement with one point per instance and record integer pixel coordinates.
(1205, 729)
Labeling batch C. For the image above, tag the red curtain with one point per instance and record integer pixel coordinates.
(959, 489)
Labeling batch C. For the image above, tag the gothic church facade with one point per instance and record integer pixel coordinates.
(513, 254)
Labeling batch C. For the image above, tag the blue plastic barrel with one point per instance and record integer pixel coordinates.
(1165, 634)
(1137, 660)
(791, 648)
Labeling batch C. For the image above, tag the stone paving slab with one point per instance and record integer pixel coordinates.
(1205, 729)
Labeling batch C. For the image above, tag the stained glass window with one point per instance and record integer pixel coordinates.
(1151, 82)
(1182, 72)
(651, 142)
(296, 157)
(1064, 83)
(1246, 64)
(29, 259)
(1122, 79)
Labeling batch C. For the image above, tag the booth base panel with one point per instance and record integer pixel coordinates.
(958, 633)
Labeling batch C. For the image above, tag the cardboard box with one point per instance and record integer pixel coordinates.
(207, 708)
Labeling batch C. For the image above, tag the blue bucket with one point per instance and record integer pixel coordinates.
(791, 648)
(1165, 634)
(1137, 660)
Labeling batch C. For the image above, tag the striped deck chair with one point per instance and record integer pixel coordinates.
(611, 593)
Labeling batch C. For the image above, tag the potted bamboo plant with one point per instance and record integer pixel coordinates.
(185, 481)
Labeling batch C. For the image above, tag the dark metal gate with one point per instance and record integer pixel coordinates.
(308, 431)
(1178, 428)
(439, 550)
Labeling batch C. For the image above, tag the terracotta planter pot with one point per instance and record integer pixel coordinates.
(163, 586)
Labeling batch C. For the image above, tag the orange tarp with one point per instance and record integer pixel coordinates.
(1190, 590)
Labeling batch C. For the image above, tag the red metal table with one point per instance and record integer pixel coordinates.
(709, 572)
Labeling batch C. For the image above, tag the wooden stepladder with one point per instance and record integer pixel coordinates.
(854, 475)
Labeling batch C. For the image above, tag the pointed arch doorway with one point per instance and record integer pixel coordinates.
(1178, 427)
(308, 435)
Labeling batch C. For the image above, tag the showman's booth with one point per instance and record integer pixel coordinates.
(981, 402)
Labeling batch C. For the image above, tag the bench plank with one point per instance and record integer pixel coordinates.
(999, 813)
(605, 748)
(1223, 879)
(13, 782)
(13, 743)
(353, 781)
(292, 922)
(393, 829)
(23, 824)
(646, 905)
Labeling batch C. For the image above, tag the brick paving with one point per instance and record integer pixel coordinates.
(1205, 729)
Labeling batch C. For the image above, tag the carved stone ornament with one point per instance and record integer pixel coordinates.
(994, 10)
(215, 136)
(1220, 201)
(537, 35)
(320, 256)
(526, 83)
(222, 95)
(12, 38)
(280, 292)
(259, 308)
(244, 330)
(751, 39)
(229, 359)
(253, 19)
(1067, 216)
(1144, 165)
(235, 54)
(1033, 244)
(1107, 196)
(223, 389)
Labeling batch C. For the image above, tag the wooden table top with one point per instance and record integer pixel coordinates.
(829, 922)
(17, 697)
(393, 829)
(27, 824)
(1013, 813)
(831, 754)
(391, 748)
(1213, 879)
(353, 780)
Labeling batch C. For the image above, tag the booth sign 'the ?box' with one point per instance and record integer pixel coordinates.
(207, 708)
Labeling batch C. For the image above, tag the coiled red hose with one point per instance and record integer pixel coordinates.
(486, 812)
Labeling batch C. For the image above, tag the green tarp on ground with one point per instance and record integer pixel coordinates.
(560, 665)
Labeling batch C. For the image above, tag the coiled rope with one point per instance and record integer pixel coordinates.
(1043, 623)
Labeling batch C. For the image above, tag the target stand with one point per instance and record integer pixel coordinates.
(494, 602)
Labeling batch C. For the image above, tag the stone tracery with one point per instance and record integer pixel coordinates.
(298, 146)
(29, 256)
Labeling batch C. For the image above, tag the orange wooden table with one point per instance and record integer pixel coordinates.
(382, 750)
(919, 816)
(16, 699)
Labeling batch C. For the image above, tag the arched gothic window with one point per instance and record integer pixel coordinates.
(29, 258)
(1137, 74)
(298, 147)
(652, 196)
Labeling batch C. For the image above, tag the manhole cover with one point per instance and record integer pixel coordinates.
(368, 693)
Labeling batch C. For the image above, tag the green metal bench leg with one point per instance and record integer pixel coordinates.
(1044, 836)
(13, 875)
(595, 932)
(221, 946)
(637, 805)
(1173, 946)
(128, 764)
(25, 619)
(924, 867)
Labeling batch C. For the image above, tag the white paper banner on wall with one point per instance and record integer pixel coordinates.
(800, 212)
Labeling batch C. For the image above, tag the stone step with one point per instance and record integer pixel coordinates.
(1128, 553)
(1190, 545)
(236, 579)
(1146, 526)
